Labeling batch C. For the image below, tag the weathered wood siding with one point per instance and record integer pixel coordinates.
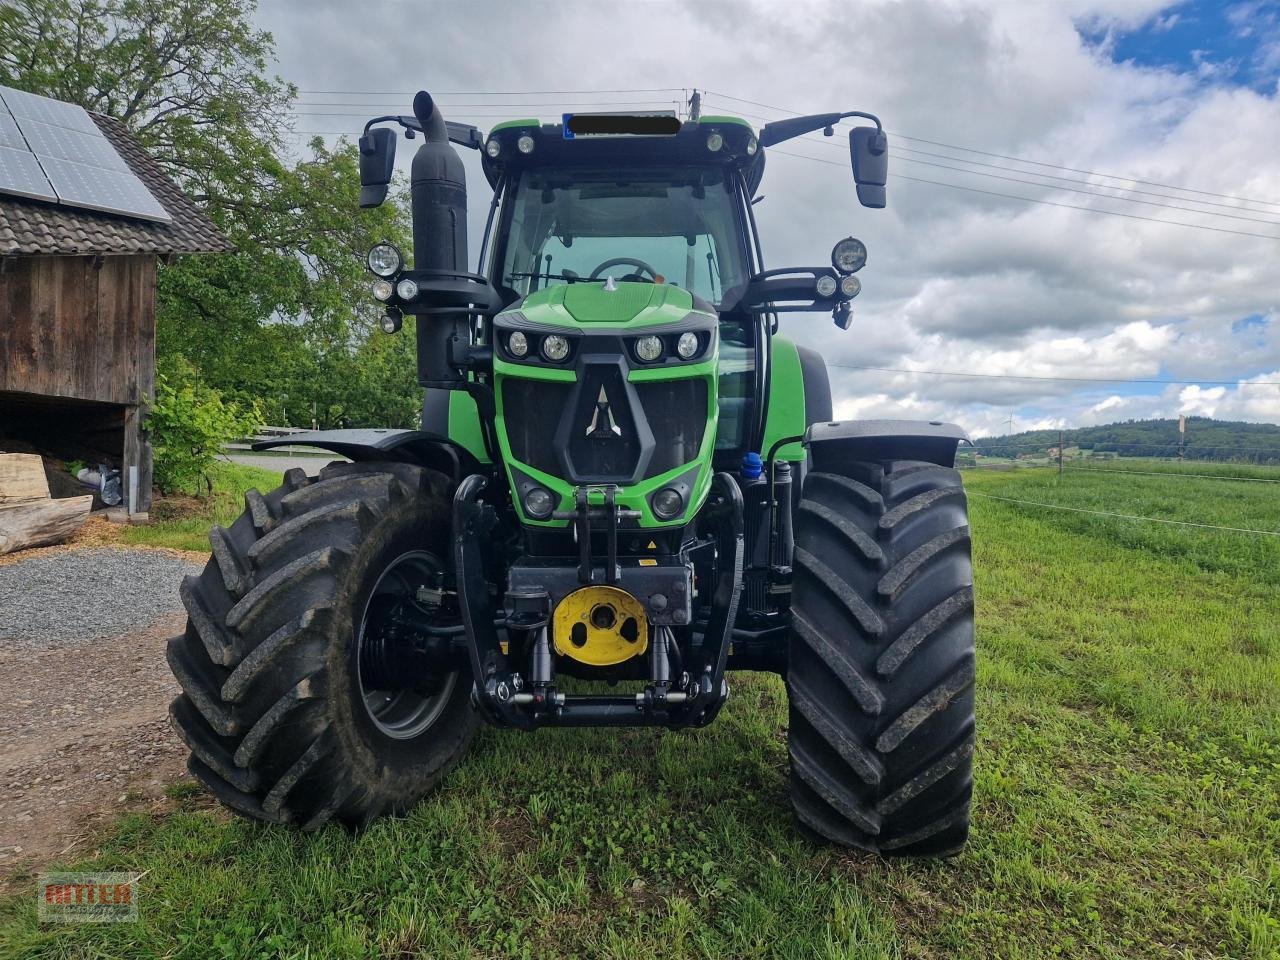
(70, 327)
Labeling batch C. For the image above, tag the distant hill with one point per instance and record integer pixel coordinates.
(1206, 439)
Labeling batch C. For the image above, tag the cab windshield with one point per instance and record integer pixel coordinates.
(656, 225)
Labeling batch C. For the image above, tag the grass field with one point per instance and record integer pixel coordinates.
(1127, 793)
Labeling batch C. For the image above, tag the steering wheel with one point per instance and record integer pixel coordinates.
(620, 261)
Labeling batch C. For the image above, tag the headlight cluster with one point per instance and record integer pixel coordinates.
(385, 262)
(552, 346)
(689, 345)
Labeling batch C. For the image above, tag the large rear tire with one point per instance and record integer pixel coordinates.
(881, 674)
(280, 725)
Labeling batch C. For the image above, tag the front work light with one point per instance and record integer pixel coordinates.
(667, 503)
(850, 286)
(493, 148)
(649, 348)
(826, 285)
(525, 144)
(849, 255)
(391, 321)
(383, 290)
(407, 289)
(687, 345)
(385, 260)
(714, 142)
(538, 503)
(555, 347)
(518, 343)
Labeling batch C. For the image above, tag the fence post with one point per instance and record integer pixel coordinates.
(1059, 453)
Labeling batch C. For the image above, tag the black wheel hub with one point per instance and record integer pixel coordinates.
(403, 649)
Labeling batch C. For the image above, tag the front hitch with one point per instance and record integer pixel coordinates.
(508, 698)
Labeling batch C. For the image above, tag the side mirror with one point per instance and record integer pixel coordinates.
(869, 152)
(377, 162)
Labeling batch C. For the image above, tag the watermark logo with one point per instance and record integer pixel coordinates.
(88, 897)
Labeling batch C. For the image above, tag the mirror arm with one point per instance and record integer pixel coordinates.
(463, 134)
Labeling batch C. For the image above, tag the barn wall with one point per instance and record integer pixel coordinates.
(77, 359)
(73, 327)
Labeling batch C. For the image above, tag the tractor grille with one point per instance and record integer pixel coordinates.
(677, 415)
(569, 431)
(531, 411)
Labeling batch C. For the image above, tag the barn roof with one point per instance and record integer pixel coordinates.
(33, 227)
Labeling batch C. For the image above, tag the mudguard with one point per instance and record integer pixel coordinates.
(402, 446)
(928, 440)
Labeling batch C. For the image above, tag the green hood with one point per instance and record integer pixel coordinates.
(641, 303)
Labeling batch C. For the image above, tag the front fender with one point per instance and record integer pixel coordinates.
(402, 446)
(928, 440)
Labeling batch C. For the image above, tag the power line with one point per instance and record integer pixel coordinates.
(484, 93)
(360, 107)
(1051, 203)
(1125, 516)
(1038, 163)
(1091, 193)
(1029, 376)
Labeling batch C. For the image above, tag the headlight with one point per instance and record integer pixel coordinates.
(555, 347)
(849, 255)
(518, 343)
(667, 503)
(493, 148)
(826, 285)
(687, 345)
(383, 290)
(385, 260)
(715, 142)
(850, 286)
(525, 144)
(751, 146)
(407, 289)
(649, 348)
(538, 503)
(391, 321)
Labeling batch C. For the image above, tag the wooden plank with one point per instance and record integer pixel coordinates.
(137, 453)
(17, 355)
(22, 478)
(39, 523)
(145, 325)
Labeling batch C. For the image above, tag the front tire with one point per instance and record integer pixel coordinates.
(880, 680)
(279, 723)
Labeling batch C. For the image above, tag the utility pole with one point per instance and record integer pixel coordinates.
(1182, 437)
(1060, 442)
(695, 106)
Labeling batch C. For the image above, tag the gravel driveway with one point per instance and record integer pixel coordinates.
(55, 598)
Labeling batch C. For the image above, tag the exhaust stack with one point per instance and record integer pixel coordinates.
(438, 201)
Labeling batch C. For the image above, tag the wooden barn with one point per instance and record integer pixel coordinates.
(77, 290)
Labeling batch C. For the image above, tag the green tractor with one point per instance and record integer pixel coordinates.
(624, 475)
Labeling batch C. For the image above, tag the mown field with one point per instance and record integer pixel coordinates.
(1127, 792)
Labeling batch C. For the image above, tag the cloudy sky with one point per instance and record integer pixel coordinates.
(1184, 98)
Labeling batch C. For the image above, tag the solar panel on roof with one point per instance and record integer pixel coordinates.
(10, 135)
(50, 150)
(47, 140)
(94, 188)
(31, 106)
(21, 175)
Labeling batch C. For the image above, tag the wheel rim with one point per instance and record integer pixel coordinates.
(400, 714)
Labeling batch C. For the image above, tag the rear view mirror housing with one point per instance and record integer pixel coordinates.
(377, 163)
(869, 154)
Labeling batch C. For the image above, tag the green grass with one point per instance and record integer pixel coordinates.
(182, 523)
(1127, 795)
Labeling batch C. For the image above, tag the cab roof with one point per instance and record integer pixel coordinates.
(738, 148)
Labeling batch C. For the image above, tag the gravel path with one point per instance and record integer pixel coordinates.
(55, 598)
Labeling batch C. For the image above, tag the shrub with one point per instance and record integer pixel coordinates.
(189, 423)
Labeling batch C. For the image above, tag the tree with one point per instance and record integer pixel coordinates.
(289, 312)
